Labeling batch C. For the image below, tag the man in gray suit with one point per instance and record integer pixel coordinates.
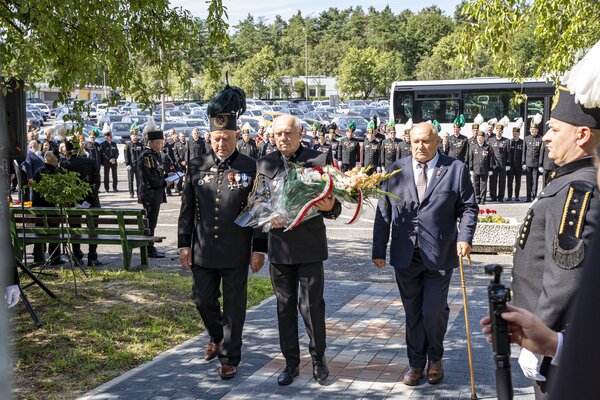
(433, 191)
(296, 257)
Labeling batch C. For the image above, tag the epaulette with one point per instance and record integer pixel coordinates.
(567, 247)
(150, 161)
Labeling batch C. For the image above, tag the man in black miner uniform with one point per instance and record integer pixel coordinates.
(389, 148)
(207, 143)
(152, 187)
(296, 256)
(480, 163)
(444, 145)
(491, 124)
(93, 148)
(180, 149)
(516, 157)
(195, 147)
(210, 243)
(268, 146)
(500, 164)
(133, 152)
(110, 154)
(404, 147)
(324, 147)
(459, 144)
(168, 157)
(349, 150)
(246, 145)
(556, 234)
(335, 145)
(88, 172)
(531, 158)
(371, 152)
(472, 141)
(546, 164)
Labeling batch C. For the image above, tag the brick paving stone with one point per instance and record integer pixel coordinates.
(366, 354)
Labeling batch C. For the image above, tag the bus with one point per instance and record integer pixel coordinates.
(444, 100)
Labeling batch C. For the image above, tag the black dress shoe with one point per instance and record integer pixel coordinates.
(153, 253)
(288, 375)
(320, 370)
(131, 195)
(93, 263)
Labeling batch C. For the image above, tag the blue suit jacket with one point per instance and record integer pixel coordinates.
(449, 199)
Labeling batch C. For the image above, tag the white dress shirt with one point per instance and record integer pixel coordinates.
(430, 166)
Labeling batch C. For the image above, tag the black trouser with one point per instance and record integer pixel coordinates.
(424, 294)
(497, 184)
(131, 175)
(39, 249)
(152, 210)
(92, 248)
(480, 186)
(286, 278)
(531, 178)
(515, 174)
(226, 326)
(108, 167)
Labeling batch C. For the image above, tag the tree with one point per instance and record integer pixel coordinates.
(562, 30)
(300, 88)
(445, 63)
(421, 33)
(258, 73)
(78, 40)
(363, 71)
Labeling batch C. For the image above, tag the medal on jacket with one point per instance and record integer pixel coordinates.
(231, 178)
(206, 179)
(244, 180)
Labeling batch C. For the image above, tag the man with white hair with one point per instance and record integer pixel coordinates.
(296, 256)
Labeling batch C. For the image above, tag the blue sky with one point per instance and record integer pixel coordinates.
(239, 9)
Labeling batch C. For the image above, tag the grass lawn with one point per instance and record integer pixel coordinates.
(117, 321)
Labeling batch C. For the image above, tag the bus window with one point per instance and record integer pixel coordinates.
(490, 104)
(444, 111)
(403, 106)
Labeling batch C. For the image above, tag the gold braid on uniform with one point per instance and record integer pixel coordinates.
(567, 247)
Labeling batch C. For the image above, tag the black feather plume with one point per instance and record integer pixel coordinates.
(230, 100)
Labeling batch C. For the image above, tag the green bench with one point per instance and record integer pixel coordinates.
(102, 226)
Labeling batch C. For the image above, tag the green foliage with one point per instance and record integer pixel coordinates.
(560, 30)
(257, 74)
(64, 189)
(363, 71)
(75, 41)
(300, 88)
(445, 63)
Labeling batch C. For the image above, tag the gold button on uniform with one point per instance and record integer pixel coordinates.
(216, 236)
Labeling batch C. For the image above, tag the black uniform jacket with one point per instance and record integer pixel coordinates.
(152, 173)
(306, 243)
(215, 193)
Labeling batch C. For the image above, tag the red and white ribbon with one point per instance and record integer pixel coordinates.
(304, 210)
(358, 208)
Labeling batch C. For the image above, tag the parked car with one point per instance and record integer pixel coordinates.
(33, 118)
(120, 130)
(382, 114)
(43, 107)
(343, 121)
(174, 115)
(322, 117)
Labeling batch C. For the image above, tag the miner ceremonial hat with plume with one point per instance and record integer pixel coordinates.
(226, 107)
(477, 122)
(151, 130)
(577, 101)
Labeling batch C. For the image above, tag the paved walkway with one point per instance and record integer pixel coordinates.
(365, 348)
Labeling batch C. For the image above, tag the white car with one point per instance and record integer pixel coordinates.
(44, 107)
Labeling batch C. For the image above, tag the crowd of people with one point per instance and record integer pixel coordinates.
(442, 180)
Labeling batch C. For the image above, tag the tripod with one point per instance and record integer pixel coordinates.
(23, 265)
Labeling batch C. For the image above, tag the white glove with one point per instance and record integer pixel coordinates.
(472, 173)
(541, 170)
(524, 168)
(129, 168)
(508, 168)
(530, 365)
(12, 295)
(490, 173)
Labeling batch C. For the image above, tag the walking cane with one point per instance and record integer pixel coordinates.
(464, 292)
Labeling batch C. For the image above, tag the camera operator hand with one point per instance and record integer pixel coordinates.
(526, 330)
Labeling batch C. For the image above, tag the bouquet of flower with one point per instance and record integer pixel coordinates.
(292, 196)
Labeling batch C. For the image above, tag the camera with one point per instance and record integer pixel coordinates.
(498, 296)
